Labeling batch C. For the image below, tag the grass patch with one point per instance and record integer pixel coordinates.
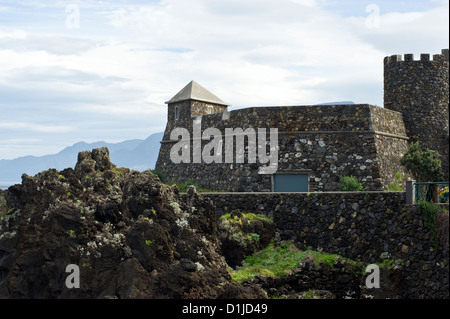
(280, 261)
(236, 220)
(390, 263)
(350, 184)
(429, 211)
(120, 171)
(394, 188)
(253, 217)
(310, 294)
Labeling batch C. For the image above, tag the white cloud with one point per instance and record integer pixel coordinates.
(409, 32)
(111, 76)
(252, 46)
(36, 127)
(52, 44)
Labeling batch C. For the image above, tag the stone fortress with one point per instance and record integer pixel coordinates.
(318, 144)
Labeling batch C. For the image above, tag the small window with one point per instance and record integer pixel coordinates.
(177, 113)
(210, 109)
(291, 182)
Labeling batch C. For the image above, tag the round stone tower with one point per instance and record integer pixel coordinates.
(419, 90)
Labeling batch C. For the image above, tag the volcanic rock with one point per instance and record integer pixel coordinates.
(130, 236)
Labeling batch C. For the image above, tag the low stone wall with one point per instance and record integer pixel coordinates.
(364, 226)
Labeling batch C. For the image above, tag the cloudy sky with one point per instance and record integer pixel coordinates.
(89, 70)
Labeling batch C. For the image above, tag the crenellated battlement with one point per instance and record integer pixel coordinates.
(424, 57)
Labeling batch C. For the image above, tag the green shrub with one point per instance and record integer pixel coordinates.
(160, 174)
(350, 184)
(253, 237)
(424, 165)
(396, 186)
(191, 182)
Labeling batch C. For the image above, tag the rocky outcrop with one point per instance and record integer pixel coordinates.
(130, 236)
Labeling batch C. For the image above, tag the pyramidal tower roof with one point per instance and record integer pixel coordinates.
(194, 91)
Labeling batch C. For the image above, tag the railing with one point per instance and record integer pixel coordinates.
(436, 192)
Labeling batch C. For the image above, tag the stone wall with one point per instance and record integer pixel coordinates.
(364, 226)
(390, 150)
(419, 90)
(325, 141)
(184, 117)
(199, 108)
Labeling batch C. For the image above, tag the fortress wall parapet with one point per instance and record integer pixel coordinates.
(424, 57)
(326, 141)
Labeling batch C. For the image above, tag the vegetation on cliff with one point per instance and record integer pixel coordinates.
(242, 234)
(283, 259)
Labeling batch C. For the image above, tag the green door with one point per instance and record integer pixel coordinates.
(290, 183)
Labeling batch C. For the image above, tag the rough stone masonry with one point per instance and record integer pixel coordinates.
(323, 142)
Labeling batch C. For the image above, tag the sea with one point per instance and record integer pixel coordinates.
(4, 185)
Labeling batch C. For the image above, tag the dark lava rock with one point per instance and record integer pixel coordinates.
(130, 236)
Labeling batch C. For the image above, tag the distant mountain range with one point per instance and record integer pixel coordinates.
(134, 154)
(337, 103)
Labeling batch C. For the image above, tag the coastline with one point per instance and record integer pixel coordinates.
(5, 185)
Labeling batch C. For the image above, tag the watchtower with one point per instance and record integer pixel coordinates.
(419, 90)
(191, 102)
